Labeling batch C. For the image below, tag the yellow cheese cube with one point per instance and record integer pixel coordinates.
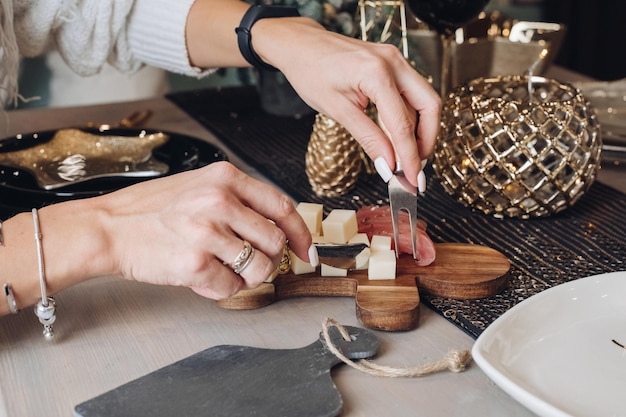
(382, 265)
(311, 213)
(362, 259)
(298, 266)
(360, 238)
(340, 226)
(380, 242)
(331, 271)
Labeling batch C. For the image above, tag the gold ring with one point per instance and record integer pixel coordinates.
(285, 262)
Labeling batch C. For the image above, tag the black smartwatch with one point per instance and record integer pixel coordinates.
(244, 38)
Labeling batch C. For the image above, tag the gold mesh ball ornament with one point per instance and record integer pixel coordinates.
(334, 159)
(509, 153)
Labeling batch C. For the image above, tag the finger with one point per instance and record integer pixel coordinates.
(224, 239)
(413, 149)
(208, 276)
(399, 119)
(245, 223)
(220, 282)
(371, 137)
(269, 203)
(406, 145)
(251, 264)
(242, 228)
(420, 95)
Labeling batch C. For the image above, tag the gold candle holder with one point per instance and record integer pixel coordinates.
(513, 148)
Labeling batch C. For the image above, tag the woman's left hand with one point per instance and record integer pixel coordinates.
(339, 76)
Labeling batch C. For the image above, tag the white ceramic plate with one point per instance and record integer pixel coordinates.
(557, 352)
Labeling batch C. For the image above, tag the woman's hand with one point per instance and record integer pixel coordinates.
(339, 76)
(335, 74)
(186, 228)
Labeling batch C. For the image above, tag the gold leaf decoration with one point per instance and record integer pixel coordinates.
(73, 156)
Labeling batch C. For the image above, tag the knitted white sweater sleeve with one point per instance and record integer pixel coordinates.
(156, 34)
(124, 33)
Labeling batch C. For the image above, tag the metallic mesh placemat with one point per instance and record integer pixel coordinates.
(584, 240)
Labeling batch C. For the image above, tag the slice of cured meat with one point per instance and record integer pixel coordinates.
(376, 220)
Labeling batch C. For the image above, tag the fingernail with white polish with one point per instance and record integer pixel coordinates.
(421, 182)
(314, 259)
(383, 169)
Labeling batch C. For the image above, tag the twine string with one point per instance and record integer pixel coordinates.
(454, 361)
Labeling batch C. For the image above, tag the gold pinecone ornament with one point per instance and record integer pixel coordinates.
(334, 159)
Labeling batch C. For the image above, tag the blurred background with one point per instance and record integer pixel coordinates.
(592, 45)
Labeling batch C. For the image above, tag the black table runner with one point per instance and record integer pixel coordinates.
(584, 240)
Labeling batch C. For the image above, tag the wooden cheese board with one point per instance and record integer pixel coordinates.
(460, 271)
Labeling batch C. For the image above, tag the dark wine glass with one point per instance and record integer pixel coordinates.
(446, 16)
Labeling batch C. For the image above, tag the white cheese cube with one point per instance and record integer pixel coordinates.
(318, 239)
(380, 242)
(362, 259)
(311, 213)
(360, 238)
(340, 226)
(331, 271)
(298, 266)
(382, 265)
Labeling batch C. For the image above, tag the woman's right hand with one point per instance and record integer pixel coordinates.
(185, 229)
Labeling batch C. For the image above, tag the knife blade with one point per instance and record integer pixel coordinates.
(342, 256)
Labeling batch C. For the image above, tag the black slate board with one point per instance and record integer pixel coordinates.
(584, 240)
(244, 381)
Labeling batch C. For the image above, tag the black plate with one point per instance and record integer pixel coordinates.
(19, 189)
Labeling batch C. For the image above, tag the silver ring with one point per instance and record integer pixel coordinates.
(243, 259)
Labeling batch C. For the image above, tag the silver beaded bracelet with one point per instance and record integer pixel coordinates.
(45, 309)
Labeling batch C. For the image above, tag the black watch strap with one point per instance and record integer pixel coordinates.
(244, 38)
